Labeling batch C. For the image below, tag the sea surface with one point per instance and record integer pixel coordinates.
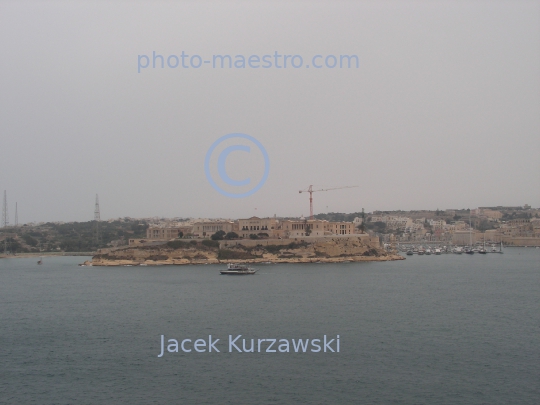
(449, 329)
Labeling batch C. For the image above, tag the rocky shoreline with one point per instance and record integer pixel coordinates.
(176, 262)
(177, 252)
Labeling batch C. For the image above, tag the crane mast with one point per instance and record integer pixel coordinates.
(311, 191)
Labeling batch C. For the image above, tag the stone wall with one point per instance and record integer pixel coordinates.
(371, 241)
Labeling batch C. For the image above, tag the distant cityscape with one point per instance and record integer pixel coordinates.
(513, 226)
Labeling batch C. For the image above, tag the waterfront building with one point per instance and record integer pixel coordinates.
(298, 228)
(165, 233)
(256, 225)
(463, 238)
(340, 228)
(207, 229)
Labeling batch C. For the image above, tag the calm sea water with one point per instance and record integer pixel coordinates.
(428, 330)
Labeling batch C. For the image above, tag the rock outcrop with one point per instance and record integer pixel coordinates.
(331, 250)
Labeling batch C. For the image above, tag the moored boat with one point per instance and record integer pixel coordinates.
(238, 269)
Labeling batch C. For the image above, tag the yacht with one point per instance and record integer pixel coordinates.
(469, 250)
(238, 269)
(483, 250)
(437, 251)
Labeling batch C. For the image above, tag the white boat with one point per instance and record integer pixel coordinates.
(469, 250)
(238, 270)
(437, 251)
(483, 250)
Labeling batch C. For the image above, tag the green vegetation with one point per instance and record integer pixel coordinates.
(158, 257)
(178, 244)
(338, 216)
(274, 248)
(73, 236)
(210, 243)
(378, 226)
(231, 235)
(218, 235)
(225, 254)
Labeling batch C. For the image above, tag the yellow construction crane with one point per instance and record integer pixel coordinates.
(311, 191)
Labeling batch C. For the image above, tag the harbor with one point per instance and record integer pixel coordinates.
(436, 249)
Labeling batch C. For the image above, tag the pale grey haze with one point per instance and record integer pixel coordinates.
(442, 112)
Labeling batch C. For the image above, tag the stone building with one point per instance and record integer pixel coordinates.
(207, 229)
(256, 225)
(165, 233)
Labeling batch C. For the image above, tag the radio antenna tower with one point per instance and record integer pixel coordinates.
(16, 216)
(97, 219)
(5, 221)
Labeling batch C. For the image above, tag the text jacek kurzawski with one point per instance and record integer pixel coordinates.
(237, 344)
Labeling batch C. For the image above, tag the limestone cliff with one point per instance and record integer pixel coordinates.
(336, 249)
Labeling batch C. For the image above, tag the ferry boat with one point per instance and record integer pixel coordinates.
(238, 269)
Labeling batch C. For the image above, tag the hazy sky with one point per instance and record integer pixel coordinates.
(442, 112)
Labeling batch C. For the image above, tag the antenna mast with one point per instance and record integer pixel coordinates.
(5, 220)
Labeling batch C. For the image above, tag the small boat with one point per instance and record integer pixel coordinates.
(458, 250)
(428, 251)
(409, 253)
(237, 269)
(469, 250)
(437, 251)
(40, 261)
(483, 250)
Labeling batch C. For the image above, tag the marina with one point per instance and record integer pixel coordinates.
(439, 249)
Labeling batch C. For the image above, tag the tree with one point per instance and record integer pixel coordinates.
(307, 228)
(218, 235)
(231, 235)
(262, 235)
(253, 236)
(180, 234)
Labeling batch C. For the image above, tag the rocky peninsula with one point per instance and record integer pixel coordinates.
(178, 252)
